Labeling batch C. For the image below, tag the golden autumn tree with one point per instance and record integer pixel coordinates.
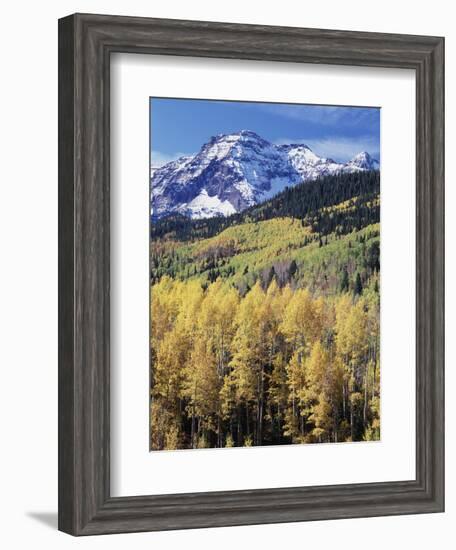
(352, 348)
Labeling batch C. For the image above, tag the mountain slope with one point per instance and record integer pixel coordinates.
(299, 202)
(236, 171)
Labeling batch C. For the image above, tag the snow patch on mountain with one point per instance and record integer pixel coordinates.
(205, 206)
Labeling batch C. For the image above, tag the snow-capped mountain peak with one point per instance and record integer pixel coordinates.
(364, 161)
(308, 164)
(234, 171)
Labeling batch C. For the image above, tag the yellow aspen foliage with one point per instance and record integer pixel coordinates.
(273, 365)
(302, 320)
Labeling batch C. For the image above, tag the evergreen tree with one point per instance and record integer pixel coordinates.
(292, 269)
(345, 281)
(358, 289)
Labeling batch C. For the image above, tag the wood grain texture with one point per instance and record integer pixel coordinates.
(85, 45)
(66, 275)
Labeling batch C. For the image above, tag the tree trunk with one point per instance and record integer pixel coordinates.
(351, 421)
(343, 399)
(239, 426)
(260, 409)
(193, 429)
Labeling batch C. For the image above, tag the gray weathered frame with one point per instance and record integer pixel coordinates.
(85, 45)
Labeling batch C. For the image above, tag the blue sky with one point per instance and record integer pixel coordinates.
(181, 126)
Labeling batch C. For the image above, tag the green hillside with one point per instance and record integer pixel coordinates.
(329, 245)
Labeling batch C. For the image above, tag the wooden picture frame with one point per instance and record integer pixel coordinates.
(85, 45)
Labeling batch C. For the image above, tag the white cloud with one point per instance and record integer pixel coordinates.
(158, 159)
(341, 149)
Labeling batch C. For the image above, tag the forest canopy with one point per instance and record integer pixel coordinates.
(265, 325)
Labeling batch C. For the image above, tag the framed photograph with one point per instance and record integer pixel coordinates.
(251, 274)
